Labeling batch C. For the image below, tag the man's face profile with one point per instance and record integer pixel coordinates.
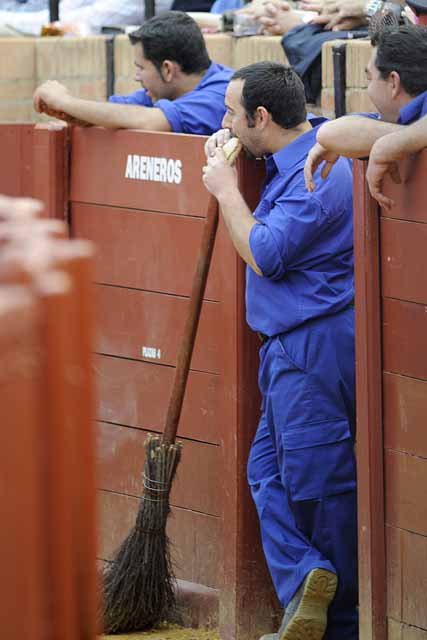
(147, 74)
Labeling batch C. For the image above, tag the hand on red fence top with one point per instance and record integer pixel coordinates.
(386, 153)
(49, 98)
(380, 164)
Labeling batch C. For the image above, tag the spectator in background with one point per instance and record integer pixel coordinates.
(397, 85)
(81, 17)
(183, 91)
(303, 37)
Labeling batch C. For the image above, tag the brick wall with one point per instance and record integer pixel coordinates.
(80, 64)
(17, 78)
(222, 48)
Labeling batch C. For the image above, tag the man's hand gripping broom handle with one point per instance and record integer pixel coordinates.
(231, 150)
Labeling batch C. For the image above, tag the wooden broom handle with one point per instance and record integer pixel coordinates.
(192, 321)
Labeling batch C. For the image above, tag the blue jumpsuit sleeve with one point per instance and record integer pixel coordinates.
(198, 112)
(138, 97)
(279, 242)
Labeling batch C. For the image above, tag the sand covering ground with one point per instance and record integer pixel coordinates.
(169, 633)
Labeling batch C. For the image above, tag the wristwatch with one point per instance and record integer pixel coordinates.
(372, 6)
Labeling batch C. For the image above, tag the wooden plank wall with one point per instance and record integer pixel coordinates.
(34, 164)
(147, 244)
(404, 328)
(147, 234)
(391, 356)
(372, 561)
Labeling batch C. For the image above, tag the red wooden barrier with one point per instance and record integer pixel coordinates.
(369, 412)
(20, 483)
(391, 327)
(140, 198)
(48, 589)
(34, 163)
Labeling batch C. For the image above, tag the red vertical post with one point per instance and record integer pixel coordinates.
(50, 168)
(22, 600)
(75, 260)
(47, 489)
(16, 167)
(370, 465)
(245, 575)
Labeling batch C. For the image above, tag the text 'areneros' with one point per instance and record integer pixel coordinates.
(154, 169)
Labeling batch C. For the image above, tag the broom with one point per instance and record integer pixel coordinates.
(139, 587)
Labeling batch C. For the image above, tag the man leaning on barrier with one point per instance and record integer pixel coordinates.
(298, 247)
(182, 90)
(397, 85)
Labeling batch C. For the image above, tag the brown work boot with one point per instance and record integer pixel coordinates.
(306, 614)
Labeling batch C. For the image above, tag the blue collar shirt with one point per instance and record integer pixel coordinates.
(302, 242)
(409, 113)
(414, 110)
(199, 111)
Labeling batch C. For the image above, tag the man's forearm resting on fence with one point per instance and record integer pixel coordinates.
(353, 136)
(103, 114)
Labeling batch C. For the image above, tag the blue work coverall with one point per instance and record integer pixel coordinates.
(301, 468)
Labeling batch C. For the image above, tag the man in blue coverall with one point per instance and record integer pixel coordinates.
(298, 247)
(182, 90)
(397, 85)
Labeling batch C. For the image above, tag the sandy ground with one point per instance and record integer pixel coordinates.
(169, 633)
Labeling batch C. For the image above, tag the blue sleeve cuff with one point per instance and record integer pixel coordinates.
(266, 252)
(172, 114)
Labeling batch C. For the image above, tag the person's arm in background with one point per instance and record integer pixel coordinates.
(349, 136)
(102, 114)
(387, 151)
(30, 22)
(95, 15)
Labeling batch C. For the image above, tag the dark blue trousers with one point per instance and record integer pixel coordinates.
(301, 468)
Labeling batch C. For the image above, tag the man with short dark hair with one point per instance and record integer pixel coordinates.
(397, 85)
(183, 91)
(299, 298)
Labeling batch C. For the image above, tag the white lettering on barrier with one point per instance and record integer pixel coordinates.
(151, 352)
(153, 168)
